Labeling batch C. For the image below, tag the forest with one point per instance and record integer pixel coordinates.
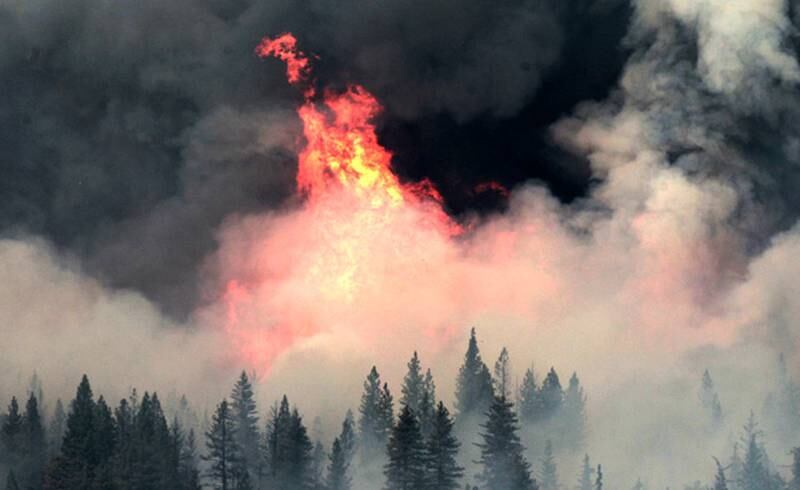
(395, 441)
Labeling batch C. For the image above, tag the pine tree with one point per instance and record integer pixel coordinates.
(223, 455)
(706, 389)
(530, 404)
(34, 446)
(318, 458)
(736, 466)
(405, 469)
(574, 415)
(341, 458)
(638, 485)
(585, 476)
(413, 385)
(709, 399)
(245, 421)
(189, 475)
(288, 450)
(338, 477)
(441, 469)
(502, 375)
(55, 432)
(427, 406)
(474, 392)
(794, 483)
(347, 437)
(299, 455)
(35, 389)
(502, 459)
(372, 423)
(552, 394)
(74, 468)
(386, 411)
(11, 431)
(720, 482)
(598, 483)
(753, 471)
(549, 473)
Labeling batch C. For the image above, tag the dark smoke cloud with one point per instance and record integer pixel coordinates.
(128, 132)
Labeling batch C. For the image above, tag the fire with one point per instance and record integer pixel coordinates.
(355, 203)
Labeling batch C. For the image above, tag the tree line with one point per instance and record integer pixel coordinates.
(414, 443)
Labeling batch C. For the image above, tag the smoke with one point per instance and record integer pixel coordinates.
(157, 169)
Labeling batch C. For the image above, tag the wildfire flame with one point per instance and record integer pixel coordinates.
(346, 177)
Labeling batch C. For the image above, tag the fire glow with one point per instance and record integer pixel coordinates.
(354, 202)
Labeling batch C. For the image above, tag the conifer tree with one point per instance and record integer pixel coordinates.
(74, 468)
(11, 431)
(530, 405)
(794, 483)
(338, 477)
(245, 421)
(735, 466)
(709, 399)
(318, 458)
(585, 476)
(503, 463)
(189, 474)
(373, 428)
(441, 448)
(223, 455)
(427, 406)
(299, 455)
(598, 483)
(347, 437)
(55, 432)
(288, 450)
(474, 392)
(413, 385)
(405, 468)
(552, 394)
(755, 471)
(33, 444)
(720, 482)
(502, 375)
(549, 473)
(574, 415)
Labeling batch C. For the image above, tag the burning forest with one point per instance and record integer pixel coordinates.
(530, 246)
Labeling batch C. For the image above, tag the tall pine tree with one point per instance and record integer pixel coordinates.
(413, 385)
(245, 421)
(405, 468)
(574, 415)
(223, 455)
(375, 416)
(474, 392)
(548, 476)
(441, 449)
(530, 404)
(552, 394)
(502, 459)
(585, 476)
(502, 375)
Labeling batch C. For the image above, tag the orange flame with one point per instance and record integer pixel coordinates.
(343, 158)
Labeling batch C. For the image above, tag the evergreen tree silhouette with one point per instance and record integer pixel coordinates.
(502, 460)
(405, 468)
(474, 392)
(441, 449)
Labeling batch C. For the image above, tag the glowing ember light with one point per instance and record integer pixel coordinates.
(354, 207)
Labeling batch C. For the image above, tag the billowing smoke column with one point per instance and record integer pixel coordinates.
(352, 197)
